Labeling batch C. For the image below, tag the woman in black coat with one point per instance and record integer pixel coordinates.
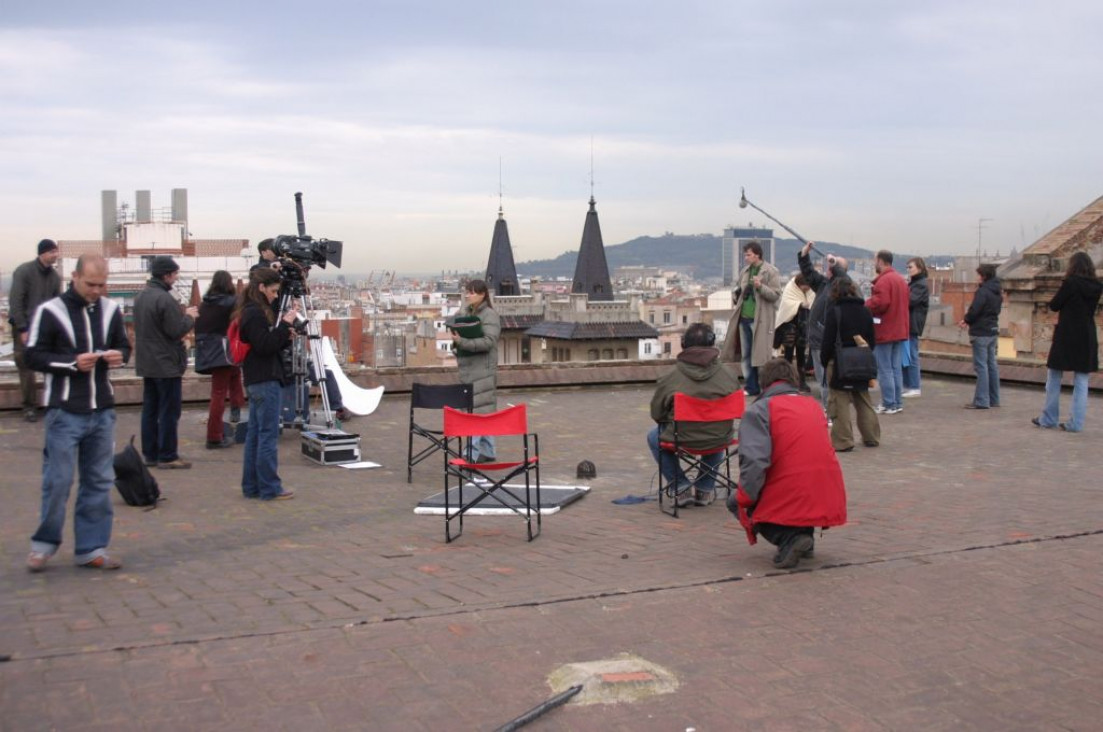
(267, 334)
(847, 317)
(1075, 343)
(212, 324)
(919, 301)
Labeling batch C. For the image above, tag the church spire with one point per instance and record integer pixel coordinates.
(501, 272)
(591, 272)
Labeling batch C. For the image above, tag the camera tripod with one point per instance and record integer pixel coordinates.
(307, 362)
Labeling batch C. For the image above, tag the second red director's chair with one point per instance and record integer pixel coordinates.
(475, 477)
(689, 410)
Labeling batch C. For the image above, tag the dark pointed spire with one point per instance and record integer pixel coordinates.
(591, 272)
(501, 272)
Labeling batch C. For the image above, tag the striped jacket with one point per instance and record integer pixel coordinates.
(67, 326)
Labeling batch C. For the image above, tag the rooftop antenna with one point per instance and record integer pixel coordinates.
(591, 168)
(499, 186)
(980, 230)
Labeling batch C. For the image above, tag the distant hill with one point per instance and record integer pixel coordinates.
(695, 254)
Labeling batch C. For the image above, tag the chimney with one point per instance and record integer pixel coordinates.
(180, 207)
(143, 210)
(109, 212)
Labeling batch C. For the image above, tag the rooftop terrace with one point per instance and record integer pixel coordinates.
(966, 592)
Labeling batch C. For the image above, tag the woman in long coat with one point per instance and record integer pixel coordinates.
(478, 361)
(1075, 343)
(848, 317)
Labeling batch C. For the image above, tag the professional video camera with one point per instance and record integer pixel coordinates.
(297, 254)
(307, 251)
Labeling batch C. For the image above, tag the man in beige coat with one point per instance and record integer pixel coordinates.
(751, 328)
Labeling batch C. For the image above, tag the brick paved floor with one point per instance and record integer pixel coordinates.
(965, 593)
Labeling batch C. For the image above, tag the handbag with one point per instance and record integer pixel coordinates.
(211, 352)
(852, 363)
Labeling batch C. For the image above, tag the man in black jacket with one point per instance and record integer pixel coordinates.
(33, 283)
(161, 359)
(74, 339)
(820, 284)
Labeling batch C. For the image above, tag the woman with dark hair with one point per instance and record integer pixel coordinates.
(213, 321)
(919, 300)
(1075, 345)
(267, 336)
(847, 319)
(478, 361)
(983, 322)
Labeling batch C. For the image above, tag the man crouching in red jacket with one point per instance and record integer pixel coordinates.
(790, 481)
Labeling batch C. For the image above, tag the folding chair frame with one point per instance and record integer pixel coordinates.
(688, 409)
(435, 396)
(475, 476)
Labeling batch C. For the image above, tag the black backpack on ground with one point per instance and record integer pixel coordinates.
(136, 484)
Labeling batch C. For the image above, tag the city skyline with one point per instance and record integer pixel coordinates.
(926, 130)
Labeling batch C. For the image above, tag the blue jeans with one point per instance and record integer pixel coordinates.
(259, 478)
(671, 467)
(746, 339)
(1052, 411)
(821, 377)
(988, 372)
(890, 372)
(87, 442)
(483, 445)
(161, 400)
(911, 371)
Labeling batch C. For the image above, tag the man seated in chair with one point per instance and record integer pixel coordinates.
(697, 373)
(789, 478)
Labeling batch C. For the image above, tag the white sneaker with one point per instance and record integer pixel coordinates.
(894, 410)
(880, 409)
(910, 393)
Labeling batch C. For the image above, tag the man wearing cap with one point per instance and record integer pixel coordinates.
(33, 283)
(161, 359)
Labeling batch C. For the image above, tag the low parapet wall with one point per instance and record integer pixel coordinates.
(128, 388)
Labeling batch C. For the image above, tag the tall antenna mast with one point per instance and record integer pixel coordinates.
(591, 167)
(499, 186)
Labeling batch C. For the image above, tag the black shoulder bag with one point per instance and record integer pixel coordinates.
(852, 363)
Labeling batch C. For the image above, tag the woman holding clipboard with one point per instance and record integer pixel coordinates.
(475, 343)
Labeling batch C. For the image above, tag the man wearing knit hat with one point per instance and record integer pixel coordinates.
(161, 359)
(33, 283)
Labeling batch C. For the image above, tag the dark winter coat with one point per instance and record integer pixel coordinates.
(159, 330)
(214, 314)
(1075, 341)
(821, 285)
(65, 327)
(266, 343)
(31, 285)
(919, 301)
(478, 361)
(847, 318)
(983, 317)
(697, 373)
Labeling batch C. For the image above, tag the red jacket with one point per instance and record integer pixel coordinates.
(889, 304)
(788, 472)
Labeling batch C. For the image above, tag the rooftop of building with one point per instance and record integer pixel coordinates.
(965, 592)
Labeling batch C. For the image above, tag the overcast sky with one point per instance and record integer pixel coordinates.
(878, 124)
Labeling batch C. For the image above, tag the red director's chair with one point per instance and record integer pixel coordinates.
(687, 410)
(475, 476)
